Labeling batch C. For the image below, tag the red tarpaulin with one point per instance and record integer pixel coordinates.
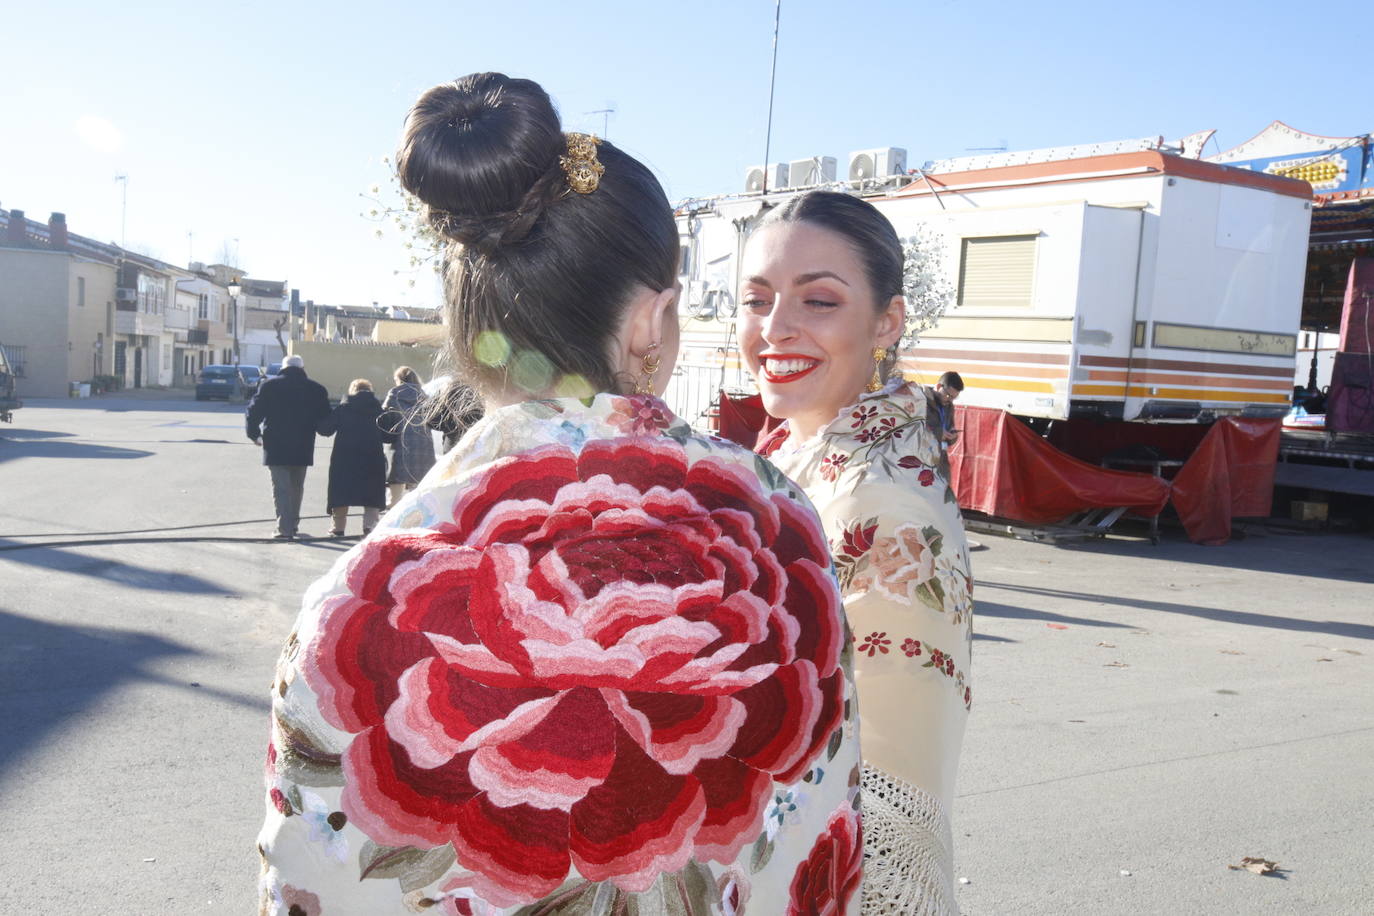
(1230, 475)
(1001, 467)
(743, 419)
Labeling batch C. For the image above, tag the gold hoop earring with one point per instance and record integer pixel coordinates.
(648, 367)
(876, 383)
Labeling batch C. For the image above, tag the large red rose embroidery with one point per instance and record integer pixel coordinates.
(604, 661)
(826, 882)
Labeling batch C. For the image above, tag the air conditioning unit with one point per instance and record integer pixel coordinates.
(877, 163)
(776, 173)
(805, 173)
(125, 294)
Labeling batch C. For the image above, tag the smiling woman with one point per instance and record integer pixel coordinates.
(822, 311)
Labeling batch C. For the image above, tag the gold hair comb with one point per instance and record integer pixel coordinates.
(581, 166)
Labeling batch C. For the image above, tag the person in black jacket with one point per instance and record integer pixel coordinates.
(357, 466)
(281, 419)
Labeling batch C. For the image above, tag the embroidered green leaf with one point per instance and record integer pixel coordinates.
(833, 747)
(763, 851)
(301, 759)
(293, 796)
(927, 595)
(771, 475)
(414, 867)
(574, 898)
(934, 538)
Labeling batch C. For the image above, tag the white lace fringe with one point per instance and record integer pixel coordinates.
(908, 849)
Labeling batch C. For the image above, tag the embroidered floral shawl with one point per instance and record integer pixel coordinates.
(877, 477)
(595, 663)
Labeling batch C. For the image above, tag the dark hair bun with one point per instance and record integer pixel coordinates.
(482, 154)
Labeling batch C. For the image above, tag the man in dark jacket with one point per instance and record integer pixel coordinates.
(281, 419)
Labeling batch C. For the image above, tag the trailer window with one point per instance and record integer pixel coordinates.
(997, 270)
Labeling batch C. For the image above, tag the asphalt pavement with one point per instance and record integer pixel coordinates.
(1143, 716)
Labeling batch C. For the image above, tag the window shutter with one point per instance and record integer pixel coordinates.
(997, 271)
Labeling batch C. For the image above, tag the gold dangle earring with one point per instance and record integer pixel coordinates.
(876, 383)
(648, 368)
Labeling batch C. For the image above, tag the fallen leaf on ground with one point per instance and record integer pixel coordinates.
(1256, 864)
(1057, 626)
(1107, 645)
(1116, 665)
(1326, 659)
(1231, 652)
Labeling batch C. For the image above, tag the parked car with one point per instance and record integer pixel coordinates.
(273, 369)
(222, 382)
(251, 377)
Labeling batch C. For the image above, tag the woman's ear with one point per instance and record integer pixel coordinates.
(891, 323)
(645, 325)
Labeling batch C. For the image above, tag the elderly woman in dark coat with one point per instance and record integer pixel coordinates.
(412, 452)
(357, 467)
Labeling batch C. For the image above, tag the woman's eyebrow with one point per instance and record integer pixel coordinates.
(803, 279)
(758, 281)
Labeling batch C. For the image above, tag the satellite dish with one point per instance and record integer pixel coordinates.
(862, 167)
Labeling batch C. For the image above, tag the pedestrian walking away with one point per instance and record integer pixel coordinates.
(821, 315)
(596, 662)
(357, 465)
(412, 452)
(282, 418)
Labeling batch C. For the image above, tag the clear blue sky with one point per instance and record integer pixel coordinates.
(262, 121)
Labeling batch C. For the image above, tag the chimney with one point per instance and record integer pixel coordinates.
(18, 234)
(57, 231)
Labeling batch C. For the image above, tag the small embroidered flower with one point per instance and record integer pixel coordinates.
(832, 465)
(297, 902)
(874, 643)
(858, 538)
(322, 823)
(926, 477)
(912, 648)
(937, 658)
(968, 696)
(866, 435)
(909, 462)
(862, 415)
(638, 415)
(949, 666)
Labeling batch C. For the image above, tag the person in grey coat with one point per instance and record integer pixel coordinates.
(412, 454)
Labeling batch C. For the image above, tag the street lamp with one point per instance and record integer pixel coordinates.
(234, 290)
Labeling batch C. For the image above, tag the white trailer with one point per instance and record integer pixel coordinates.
(1125, 285)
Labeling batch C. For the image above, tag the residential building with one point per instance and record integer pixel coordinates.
(57, 304)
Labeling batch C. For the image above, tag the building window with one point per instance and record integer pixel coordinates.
(152, 294)
(80, 292)
(997, 271)
(120, 359)
(203, 306)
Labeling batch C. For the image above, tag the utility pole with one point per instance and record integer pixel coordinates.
(772, 83)
(124, 213)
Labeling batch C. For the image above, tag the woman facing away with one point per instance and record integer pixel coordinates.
(595, 662)
(412, 454)
(820, 318)
(357, 466)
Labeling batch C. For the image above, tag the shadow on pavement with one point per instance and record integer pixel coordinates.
(8, 433)
(1222, 615)
(181, 403)
(984, 608)
(1320, 555)
(50, 673)
(52, 448)
(115, 571)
